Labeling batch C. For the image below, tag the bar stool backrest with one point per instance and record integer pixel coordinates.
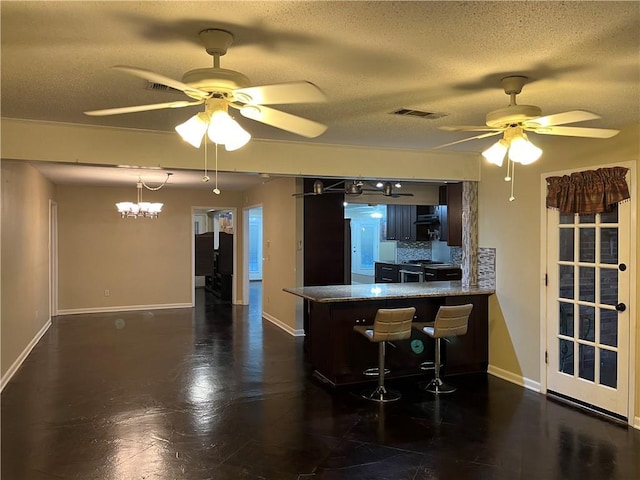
(393, 324)
(452, 320)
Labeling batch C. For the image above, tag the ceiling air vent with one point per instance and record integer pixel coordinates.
(162, 88)
(409, 112)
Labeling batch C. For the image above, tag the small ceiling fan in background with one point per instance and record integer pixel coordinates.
(218, 89)
(515, 120)
(353, 188)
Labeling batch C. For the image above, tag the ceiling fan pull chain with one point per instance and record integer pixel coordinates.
(507, 178)
(513, 176)
(206, 176)
(216, 190)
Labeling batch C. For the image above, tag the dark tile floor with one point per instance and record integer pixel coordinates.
(217, 393)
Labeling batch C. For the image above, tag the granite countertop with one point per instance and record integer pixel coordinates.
(362, 292)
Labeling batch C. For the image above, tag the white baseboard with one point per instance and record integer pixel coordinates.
(123, 308)
(636, 423)
(22, 357)
(283, 326)
(513, 378)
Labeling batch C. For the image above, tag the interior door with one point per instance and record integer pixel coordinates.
(588, 291)
(365, 245)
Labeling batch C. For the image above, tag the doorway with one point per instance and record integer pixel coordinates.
(253, 256)
(589, 330)
(366, 230)
(213, 253)
(255, 244)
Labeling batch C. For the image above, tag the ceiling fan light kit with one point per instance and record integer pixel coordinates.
(517, 144)
(219, 89)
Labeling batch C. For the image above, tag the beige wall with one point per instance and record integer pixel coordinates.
(513, 228)
(24, 258)
(142, 262)
(280, 234)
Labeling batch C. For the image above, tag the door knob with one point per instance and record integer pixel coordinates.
(621, 307)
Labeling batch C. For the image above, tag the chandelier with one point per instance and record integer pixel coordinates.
(140, 208)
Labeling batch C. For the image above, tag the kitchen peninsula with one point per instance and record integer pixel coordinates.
(339, 356)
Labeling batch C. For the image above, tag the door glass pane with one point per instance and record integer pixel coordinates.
(610, 217)
(586, 362)
(586, 218)
(609, 286)
(566, 244)
(566, 357)
(566, 281)
(566, 218)
(609, 327)
(588, 245)
(566, 319)
(587, 284)
(586, 326)
(366, 247)
(609, 245)
(609, 368)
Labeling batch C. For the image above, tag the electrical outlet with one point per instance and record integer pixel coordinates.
(107, 292)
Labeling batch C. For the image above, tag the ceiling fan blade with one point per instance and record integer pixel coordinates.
(157, 78)
(561, 118)
(142, 108)
(467, 128)
(292, 92)
(285, 121)
(484, 135)
(577, 131)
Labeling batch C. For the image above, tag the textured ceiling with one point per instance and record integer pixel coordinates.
(370, 58)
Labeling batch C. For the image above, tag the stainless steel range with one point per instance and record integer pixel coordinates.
(431, 271)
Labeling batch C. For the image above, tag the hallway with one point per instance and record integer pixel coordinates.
(215, 392)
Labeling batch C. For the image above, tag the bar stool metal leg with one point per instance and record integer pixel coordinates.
(381, 394)
(436, 385)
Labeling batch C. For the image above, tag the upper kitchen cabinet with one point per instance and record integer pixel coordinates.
(401, 222)
(450, 210)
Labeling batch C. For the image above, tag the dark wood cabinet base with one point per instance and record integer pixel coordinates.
(339, 356)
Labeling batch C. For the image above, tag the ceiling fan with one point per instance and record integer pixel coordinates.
(220, 88)
(353, 188)
(515, 119)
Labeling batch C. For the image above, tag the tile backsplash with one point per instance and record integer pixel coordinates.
(425, 251)
(413, 251)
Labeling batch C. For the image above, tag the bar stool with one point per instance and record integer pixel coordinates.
(389, 324)
(451, 321)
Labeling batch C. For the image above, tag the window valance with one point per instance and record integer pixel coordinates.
(588, 192)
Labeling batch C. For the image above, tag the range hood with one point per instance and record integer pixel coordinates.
(428, 219)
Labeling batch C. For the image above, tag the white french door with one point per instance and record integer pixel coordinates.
(588, 321)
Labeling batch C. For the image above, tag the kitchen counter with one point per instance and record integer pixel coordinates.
(339, 356)
(364, 292)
